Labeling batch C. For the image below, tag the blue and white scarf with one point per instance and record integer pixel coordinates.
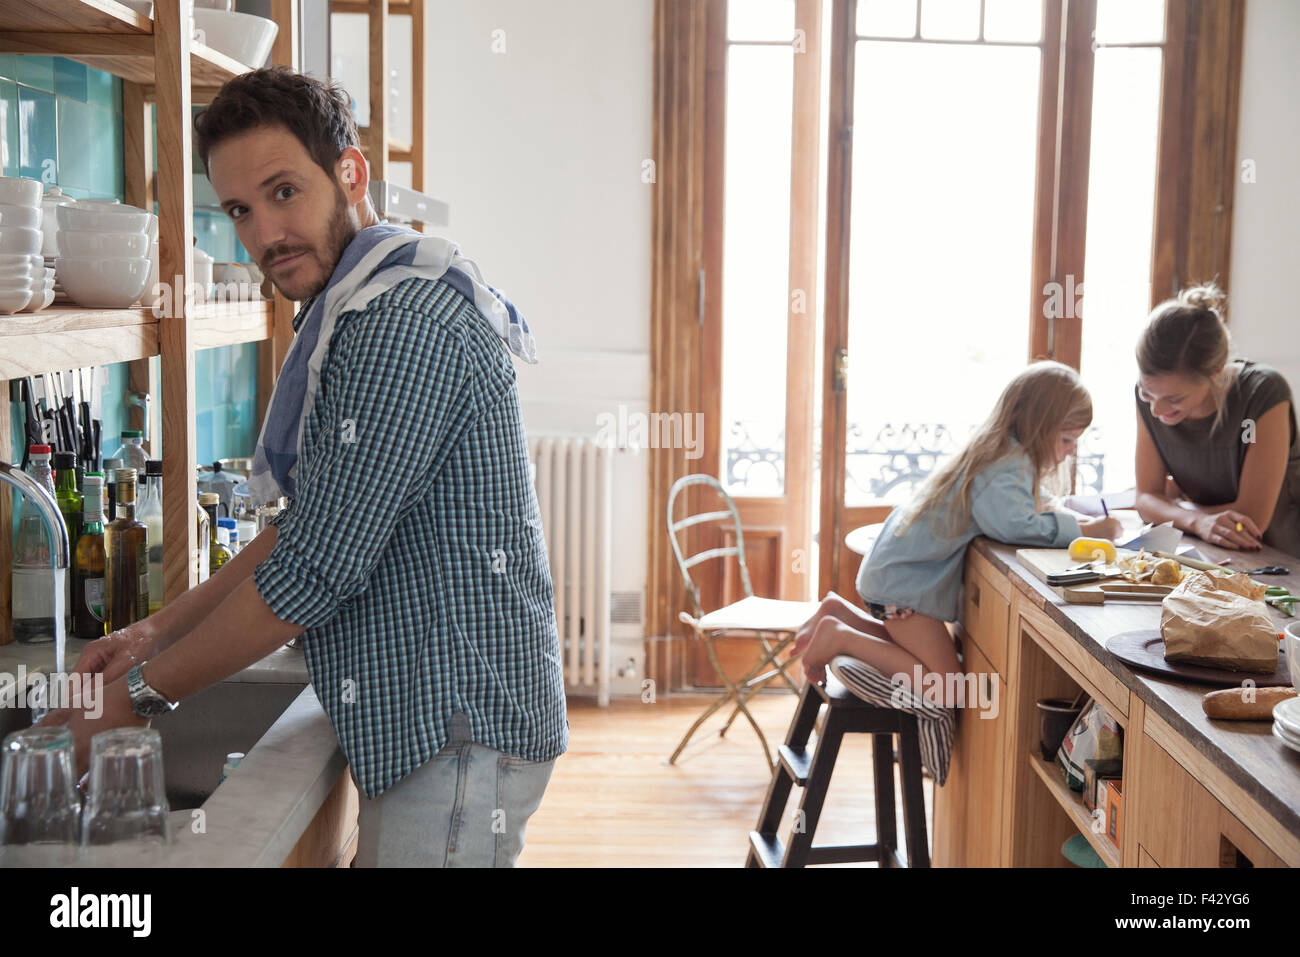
(378, 258)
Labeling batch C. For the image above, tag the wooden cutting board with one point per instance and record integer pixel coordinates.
(1042, 562)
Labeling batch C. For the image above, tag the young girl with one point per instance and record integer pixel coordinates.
(911, 581)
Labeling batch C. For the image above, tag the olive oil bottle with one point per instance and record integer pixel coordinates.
(88, 565)
(126, 559)
(218, 552)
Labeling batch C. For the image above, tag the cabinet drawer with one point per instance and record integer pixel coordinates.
(985, 614)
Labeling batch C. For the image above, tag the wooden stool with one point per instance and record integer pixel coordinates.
(846, 714)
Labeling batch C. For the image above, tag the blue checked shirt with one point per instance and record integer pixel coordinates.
(412, 553)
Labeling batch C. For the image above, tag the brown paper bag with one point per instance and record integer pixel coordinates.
(1220, 620)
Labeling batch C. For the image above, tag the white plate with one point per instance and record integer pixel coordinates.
(1287, 714)
(1278, 733)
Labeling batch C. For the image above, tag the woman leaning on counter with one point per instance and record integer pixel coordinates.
(1216, 432)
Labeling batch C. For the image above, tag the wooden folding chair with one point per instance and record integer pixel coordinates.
(771, 622)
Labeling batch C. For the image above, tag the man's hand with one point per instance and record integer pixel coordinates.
(115, 655)
(114, 712)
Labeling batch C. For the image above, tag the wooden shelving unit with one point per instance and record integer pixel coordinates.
(379, 146)
(1072, 804)
(159, 65)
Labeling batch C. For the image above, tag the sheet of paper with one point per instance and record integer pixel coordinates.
(1156, 538)
(1091, 504)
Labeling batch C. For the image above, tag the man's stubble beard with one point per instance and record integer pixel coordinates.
(341, 231)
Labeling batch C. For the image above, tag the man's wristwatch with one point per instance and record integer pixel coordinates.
(146, 702)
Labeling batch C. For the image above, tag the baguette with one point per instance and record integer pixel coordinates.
(1235, 704)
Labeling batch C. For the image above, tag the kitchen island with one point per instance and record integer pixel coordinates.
(290, 802)
(1197, 792)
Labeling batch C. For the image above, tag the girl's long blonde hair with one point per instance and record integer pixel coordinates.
(1044, 400)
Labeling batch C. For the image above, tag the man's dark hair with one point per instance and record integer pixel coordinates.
(318, 113)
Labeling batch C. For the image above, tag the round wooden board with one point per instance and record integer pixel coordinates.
(1145, 650)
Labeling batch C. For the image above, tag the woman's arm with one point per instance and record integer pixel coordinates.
(1216, 524)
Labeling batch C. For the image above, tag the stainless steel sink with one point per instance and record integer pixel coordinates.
(197, 736)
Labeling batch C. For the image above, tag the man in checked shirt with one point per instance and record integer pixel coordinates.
(410, 559)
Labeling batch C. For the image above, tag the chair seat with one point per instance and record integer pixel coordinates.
(759, 614)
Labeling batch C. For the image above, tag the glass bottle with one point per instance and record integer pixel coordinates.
(88, 579)
(150, 513)
(204, 537)
(33, 579)
(218, 551)
(132, 451)
(232, 534)
(126, 559)
(110, 487)
(69, 502)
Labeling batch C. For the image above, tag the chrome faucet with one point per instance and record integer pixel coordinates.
(40, 496)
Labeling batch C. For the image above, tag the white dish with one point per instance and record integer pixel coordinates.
(103, 283)
(230, 272)
(39, 302)
(77, 244)
(240, 35)
(150, 295)
(101, 218)
(1281, 736)
(19, 191)
(20, 240)
(11, 215)
(1291, 640)
(20, 271)
(16, 301)
(1287, 714)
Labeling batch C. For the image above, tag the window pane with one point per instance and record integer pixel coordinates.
(1130, 21)
(1117, 264)
(1013, 20)
(950, 19)
(756, 268)
(887, 18)
(940, 255)
(760, 20)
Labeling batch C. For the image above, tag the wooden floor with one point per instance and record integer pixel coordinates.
(615, 802)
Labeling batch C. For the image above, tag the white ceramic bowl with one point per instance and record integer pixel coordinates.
(1292, 644)
(11, 215)
(39, 301)
(240, 35)
(20, 240)
(20, 268)
(230, 272)
(103, 283)
(13, 300)
(18, 191)
(149, 296)
(101, 218)
(76, 244)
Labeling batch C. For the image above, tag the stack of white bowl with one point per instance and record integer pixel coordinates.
(25, 284)
(105, 259)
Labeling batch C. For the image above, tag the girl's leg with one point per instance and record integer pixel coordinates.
(838, 609)
(930, 643)
(833, 637)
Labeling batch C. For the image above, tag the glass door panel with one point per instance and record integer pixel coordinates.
(944, 150)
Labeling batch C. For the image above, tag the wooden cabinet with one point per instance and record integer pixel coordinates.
(968, 809)
(1181, 823)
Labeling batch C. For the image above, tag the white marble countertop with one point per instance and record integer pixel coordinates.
(256, 816)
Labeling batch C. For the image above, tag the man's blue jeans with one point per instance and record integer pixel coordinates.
(466, 807)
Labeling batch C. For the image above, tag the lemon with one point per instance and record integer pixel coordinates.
(1091, 550)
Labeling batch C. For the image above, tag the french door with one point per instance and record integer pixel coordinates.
(984, 155)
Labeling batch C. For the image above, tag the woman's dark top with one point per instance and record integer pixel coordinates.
(1206, 462)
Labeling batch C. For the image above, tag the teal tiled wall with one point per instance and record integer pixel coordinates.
(61, 122)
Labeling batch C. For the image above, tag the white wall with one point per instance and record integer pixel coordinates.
(1266, 214)
(538, 150)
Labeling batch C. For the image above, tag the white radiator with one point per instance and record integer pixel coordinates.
(574, 492)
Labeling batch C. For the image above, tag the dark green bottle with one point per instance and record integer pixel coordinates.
(69, 501)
